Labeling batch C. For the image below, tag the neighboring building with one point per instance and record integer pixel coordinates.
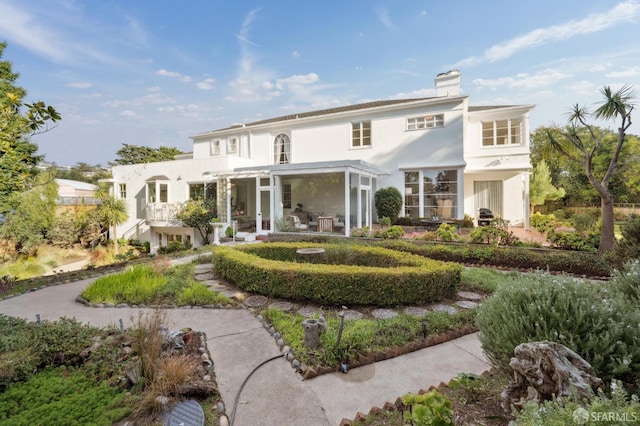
(447, 158)
(76, 196)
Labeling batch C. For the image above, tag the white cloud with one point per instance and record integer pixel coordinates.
(295, 54)
(206, 84)
(79, 85)
(171, 74)
(152, 99)
(622, 13)
(600, 67)
(297, 81)
(419, 93)
(154, 89)
(541, 79)
(584, 87)
(383, 16)
(629, 72)
(129, 114)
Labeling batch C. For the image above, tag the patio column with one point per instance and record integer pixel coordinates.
(347, 203)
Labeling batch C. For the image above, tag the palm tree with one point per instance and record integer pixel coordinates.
(114, 213)
(581, 141)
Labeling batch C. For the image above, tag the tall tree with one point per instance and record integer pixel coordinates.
(199, 214)
(28, 225)
(541, 187)
(113, 212)
(133, 154)
(580, 141)
(18, 121)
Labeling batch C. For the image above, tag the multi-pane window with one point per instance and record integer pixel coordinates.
(432, 194)
(502, 132)
(361, 134)
(215, 147)
(286, 196)
(282, 149)
(123, 190)
(425, 122)
(202, 191)
(232, 145)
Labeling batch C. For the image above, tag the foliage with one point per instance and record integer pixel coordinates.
(393, 232)
(83, 172)
(65, 231)
(590, 318)
(61, 397)
(364, 335)
(360, 232)
(628, 281)
(113, 212)
(18, 121)
(198, 294)
(137, 286)
(541, 188)
(627, 248)
(385, 221)
(431, 408)
(34, 216)
(544, 222)
(173, 247)
(133, 154)
(447, 232)
(580, 142)
(618, 409)
(495, 233)
(388, 202)
(199, 214)
(357, 276)
(574, 240)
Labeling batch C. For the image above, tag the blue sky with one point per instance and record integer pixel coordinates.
(154, 72)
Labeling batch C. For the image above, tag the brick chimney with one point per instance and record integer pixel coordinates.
(448, 83)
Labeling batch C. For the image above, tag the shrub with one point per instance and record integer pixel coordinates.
(616, 410)
(388, 202)
(628, 248)
(574, 240)
(199, 294)
(590, 318)
(495, 233)
(276, 270)
(385, 221)
(360, 232)
(136, 286)
(393, 232)
(447, 232)
(628, 281)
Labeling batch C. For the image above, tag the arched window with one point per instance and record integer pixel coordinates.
(282, 149)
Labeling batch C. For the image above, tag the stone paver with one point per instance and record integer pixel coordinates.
(444, 308)
(204, 277)
(383, 313)
(351, 314)
(415, 311)
(466, 304)
(469, 295)
(309, 311)
(282, 306)
(255, 301)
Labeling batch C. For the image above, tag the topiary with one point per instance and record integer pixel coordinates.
(592, 319)
(388, 202)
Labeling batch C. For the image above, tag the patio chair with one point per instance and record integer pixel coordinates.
(297, 224)
(325, 224)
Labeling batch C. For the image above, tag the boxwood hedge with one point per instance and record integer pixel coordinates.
(358, 275)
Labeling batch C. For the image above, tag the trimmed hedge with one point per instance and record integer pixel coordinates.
(275, 270)
(510, 257)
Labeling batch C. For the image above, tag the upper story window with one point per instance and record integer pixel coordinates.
(425, 122)
(232, 146)
(122, 190)
(215, 148)
(361, 134)
(502, 132)
(282, 149)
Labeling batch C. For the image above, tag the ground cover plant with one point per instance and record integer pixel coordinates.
(154, 284)
(66, 373)
(364, 335)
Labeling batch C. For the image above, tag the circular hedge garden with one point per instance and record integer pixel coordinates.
(343, 275)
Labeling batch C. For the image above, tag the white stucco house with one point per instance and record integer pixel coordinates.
(446, 157)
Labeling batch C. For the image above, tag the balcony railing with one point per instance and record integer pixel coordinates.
(162, 212)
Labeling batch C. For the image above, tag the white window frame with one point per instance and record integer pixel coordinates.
(232, 145)
(430, 121)
(215, 147)
(122, 189)
(502, 132)
(282, 149)
(358, 138)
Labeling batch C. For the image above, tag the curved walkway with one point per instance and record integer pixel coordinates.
(274, 395)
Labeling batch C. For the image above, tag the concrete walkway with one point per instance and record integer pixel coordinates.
(274, 395)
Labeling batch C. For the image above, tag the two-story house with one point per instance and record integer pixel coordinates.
(447, 158)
